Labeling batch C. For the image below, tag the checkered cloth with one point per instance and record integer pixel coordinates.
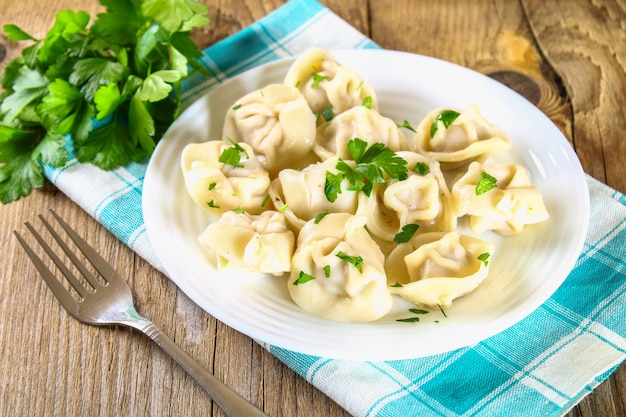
(541, 366)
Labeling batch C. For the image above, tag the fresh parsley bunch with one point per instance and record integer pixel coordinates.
(122, 72)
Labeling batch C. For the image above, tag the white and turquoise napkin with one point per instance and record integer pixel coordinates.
(541, 366)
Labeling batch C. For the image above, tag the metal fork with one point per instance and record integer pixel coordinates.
(111, 303)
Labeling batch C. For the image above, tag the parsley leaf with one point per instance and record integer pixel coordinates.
(407, 125)
(232, 155)
(421, 168)
(332, 186)
(303, 278)
(320, 216)
(485, 183)
(327, 114)
(327, 271)
(409, 320)
(406, 234)
(316, 79)
(14, 33)
(357, 261)
(483, 257)
(446, 117)
(372, 163)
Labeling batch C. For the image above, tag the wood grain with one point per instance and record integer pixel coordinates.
(567, 57)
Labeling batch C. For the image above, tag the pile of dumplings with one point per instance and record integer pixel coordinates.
(265, 180)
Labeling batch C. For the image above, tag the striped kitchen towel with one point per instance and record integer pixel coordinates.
(582, 327)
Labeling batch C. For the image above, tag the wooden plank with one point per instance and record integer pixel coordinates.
(585, 43)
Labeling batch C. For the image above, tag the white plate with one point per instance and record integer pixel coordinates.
(525, 270)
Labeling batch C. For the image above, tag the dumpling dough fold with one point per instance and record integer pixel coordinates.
(505, 209)
(336, 85)
(470, 137)
(358, 122)
(276, 121)
(218, 187)
(340, 290)
(260, 244)
(436, 268)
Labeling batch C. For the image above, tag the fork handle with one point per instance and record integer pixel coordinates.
(231, 403)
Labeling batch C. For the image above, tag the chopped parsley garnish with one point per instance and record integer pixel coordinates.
(485, 183)
(406, 125)
(447, 117)
(421, 168)
(236, 106)
(483, 257)
(212, 204)
(397, 285)
(407, 233)
(367, 102)
(303, 278)
(416, 318)
(371, 164)
(332, 186)
(357, 261)
(317, 78)
(212, 186)
(327, 114)
(320, 216)
(442, 311)
(409, 320)
(232, 155)
(239, 210)
(327, 271)
(265, 200)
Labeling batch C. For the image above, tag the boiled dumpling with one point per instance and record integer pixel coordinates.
(458, 138)
(258, 243)
(422, 199)
(325, 82)
(358, 122)
(337, 271)
(276, 122)
(436, 268)
(217, 187)
(300, 194)
(506, 205)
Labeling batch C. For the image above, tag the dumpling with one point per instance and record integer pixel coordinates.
(217, 187)
(500, 197)
(337, 271)
(300, 194)
(358, 122)
(422, 199)
(436, 268)
(456, 139)
(276, 122)
(325, 82)
(261, 244)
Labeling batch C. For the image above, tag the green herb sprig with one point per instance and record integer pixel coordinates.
(372, 163)
(123, 72)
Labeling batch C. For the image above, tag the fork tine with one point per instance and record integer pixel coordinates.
(64, 269)
(102, 266)
(77, 263)
(57, 289)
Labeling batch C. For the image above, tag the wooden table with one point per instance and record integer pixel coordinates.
(566, 56)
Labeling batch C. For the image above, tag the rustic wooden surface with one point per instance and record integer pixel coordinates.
(566, 56)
